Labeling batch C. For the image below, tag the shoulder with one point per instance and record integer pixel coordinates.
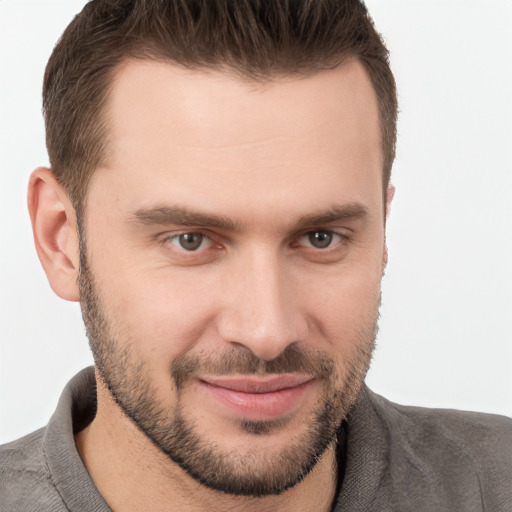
(457, 450)
(23, 458)
(25, 481)
(480, 434)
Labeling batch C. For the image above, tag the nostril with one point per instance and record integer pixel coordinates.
(266, 340)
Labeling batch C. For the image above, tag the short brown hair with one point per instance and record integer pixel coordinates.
(257, 39)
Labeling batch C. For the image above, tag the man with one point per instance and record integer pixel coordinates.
(217, 204)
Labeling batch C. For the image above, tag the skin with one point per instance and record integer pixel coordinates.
(272, 159)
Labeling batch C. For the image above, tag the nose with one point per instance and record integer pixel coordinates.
(261, 308)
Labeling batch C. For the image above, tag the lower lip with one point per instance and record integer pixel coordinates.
(258, 406)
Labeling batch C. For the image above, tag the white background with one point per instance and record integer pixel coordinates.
(445, 338)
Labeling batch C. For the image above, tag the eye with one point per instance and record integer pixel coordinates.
(191, 241)
(320, 239)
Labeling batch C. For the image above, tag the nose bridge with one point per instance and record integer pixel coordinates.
(262, 313)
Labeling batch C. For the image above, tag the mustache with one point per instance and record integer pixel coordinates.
(242, 361)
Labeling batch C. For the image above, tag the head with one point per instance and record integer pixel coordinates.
(222, 170)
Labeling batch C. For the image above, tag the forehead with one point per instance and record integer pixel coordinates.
(188, 104)
(215, 134)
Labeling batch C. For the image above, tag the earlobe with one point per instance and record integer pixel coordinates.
(55, 232)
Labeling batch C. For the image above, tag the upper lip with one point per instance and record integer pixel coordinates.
(256, 383)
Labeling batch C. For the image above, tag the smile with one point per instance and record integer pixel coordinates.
(258, 398)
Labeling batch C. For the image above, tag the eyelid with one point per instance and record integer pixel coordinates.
(203, 245)
(340, 234)
(173, 237)
(170, 237)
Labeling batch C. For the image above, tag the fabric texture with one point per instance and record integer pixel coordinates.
(395, 459)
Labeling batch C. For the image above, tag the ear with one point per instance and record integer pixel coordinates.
(55, 232)
(389, 199)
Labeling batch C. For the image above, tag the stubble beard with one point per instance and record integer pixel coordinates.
(255, 472)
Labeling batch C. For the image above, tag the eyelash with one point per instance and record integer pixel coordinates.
(336, 239)
(339, 237)
(204, 238)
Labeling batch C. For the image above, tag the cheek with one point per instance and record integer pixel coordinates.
(157, 312)
(345, 312)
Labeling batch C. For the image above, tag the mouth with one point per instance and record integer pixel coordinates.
(258, 398)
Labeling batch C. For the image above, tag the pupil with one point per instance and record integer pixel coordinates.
(191, 241)
(320, 239)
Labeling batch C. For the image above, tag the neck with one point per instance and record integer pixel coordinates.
(132, 474)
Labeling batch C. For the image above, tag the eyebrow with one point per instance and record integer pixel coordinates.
(350, 211)
(182, 216)
(167, 215)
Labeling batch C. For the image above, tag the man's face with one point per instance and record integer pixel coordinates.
(234, 251)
